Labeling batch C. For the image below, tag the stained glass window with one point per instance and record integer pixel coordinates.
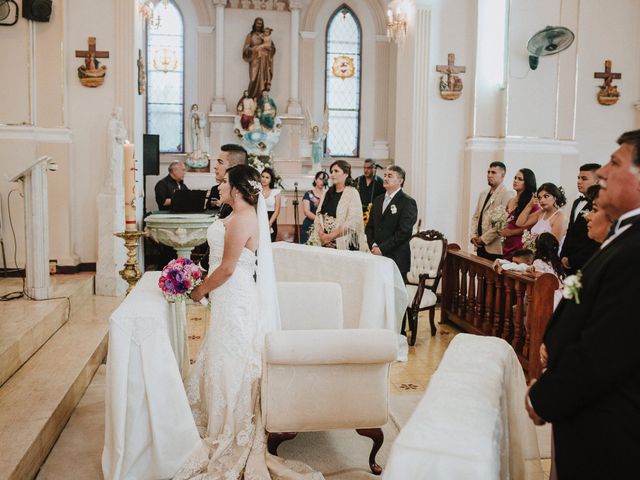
(343, 83)
(165, 78)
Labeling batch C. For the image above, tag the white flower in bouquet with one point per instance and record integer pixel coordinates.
(529, 240)
(498, 217)
(571, 287)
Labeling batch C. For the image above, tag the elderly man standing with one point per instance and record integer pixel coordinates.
(485, 236)
(393, 216)
(166, 186)
(590, 390)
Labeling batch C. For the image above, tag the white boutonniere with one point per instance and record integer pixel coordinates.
(584, 213)
(394, 210)
(572, 286)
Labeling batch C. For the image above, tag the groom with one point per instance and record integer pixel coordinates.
(230, 155)
(391, 221)
(590, 391)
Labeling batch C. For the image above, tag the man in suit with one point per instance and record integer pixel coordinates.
(391, 222)
(590, 390)
(577, 246)
(230, 155)
(485, 237)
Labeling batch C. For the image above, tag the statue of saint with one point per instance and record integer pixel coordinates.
(116, 138)
(195, 129)
(267, 111)
(258, 51)
(246, 109)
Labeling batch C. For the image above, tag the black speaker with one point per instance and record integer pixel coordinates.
(37, 10)
(151, 154)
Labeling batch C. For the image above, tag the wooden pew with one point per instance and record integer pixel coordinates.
(513, 306)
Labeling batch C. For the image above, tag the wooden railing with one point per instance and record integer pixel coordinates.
(512, 306)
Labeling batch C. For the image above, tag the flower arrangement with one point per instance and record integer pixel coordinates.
(498, 217)
(329, 224)
(571, 287)
(529, 240)
(260, 162)
(179, 277)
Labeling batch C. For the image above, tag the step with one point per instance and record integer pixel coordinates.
(25, 325)
(37, 401)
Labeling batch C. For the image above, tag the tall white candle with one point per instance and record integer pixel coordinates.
(130, 188)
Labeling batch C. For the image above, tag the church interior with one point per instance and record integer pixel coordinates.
(99, 98)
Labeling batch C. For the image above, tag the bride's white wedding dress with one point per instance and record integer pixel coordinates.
(223, 387)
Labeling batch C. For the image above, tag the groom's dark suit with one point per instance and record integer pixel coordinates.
(591, 389)
(577, 246)
(391, 230)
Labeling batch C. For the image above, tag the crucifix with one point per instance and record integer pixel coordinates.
(453, 86)
(607, 75)
(91, 54)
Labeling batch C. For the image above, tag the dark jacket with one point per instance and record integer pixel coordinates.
(392, 231)
(164, 189)
(591, 388)
(577, 246)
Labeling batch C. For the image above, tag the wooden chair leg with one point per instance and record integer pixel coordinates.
(413, 325)
(403, 330)
(432, 321)
(275, 439)
(377, 436)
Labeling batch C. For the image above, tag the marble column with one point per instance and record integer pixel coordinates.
(294, 108)
(381, 133)
(219, 105)
(36, 215)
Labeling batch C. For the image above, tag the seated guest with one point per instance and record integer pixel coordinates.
(272, 199)
(369, 185)
(339, 221)
(391, 221)
(524, 184)
(229, 155)
(166, 186)
(577, 246)
(549, 218)
(520, 261)
(310, 203)
(598, 221)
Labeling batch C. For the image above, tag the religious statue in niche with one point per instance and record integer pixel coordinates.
(316, 138)
(608, 93)
(267, 112)
(142, 75)
(246, 109)
(450, 82)
(258, 51)
(91, 74)
(197, 158)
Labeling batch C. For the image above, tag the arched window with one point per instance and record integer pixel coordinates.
(165, 78)
(342, 80)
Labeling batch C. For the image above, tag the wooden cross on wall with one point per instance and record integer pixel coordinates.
(92, 50)
(450, 69)
(607, 75)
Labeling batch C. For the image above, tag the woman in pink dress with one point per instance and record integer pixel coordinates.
(524, 183)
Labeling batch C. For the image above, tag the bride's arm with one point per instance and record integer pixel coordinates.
(238, 232)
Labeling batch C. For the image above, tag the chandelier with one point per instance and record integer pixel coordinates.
(166, 62)
(396, 21)
(146, 8)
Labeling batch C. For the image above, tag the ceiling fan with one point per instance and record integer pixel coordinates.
(5, 12)
(548, 41)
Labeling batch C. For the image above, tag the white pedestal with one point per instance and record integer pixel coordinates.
(111, 251)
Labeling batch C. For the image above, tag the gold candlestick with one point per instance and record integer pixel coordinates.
(131, 273)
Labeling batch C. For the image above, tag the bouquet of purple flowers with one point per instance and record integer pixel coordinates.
(179, 278)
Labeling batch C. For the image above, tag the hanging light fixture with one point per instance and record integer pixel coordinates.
(396, 21)
(146, 8)
(166, 62)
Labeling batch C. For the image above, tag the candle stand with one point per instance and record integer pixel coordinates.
(131, 272)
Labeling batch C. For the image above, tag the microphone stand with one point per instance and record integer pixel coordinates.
(296, 232)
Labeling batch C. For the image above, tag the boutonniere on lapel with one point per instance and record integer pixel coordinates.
(572, 286)
(393, 209)
(584, 213)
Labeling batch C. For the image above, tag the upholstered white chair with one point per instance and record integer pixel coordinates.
(316, 380)
(310, 305)
(428, 250)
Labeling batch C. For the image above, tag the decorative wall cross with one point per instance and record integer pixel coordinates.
(452, 87)
(91, 74)
(608, 94)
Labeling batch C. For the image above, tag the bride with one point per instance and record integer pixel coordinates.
(223, 387)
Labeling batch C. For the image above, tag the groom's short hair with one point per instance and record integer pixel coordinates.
(237, 154)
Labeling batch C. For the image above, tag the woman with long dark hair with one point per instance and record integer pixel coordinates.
(339, 221)
(310, 203)
(550, 198)
(272, 197)
(524, 183)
